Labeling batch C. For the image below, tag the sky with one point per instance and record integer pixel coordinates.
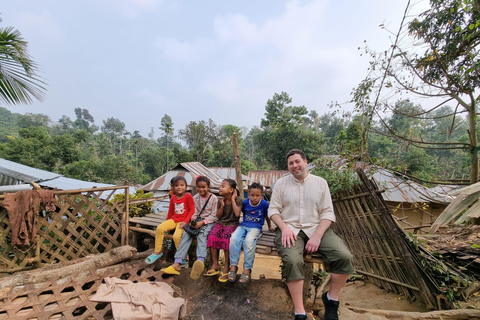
(137, 60)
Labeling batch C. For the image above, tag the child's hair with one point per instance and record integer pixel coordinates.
(255, 185)
(233, 185)
(204, 179)
(177, 179)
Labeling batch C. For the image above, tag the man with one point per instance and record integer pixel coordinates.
(301, 207)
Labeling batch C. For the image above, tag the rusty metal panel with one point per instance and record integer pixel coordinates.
(188, 170)
(265, 177)
(227, 173)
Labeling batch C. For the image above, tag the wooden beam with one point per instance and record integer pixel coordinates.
(238, 167)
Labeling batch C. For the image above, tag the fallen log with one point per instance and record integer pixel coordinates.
(60, 271)
(454, 314)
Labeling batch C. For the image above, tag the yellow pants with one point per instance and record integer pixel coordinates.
(164, 227)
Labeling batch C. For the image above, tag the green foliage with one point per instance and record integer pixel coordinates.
(135, 209)
(343, 178)
(19, 82)
(283, 130)
(450, 282)
(437, 59)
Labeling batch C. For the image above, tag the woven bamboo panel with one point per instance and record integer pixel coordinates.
(84, 223)
(68, 298)
(379, 247)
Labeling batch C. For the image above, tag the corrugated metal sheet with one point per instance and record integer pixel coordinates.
(265, 177)
(197, 169)
(188, 170)
(64, 183)
(399, 189)
(24, 173)
(162, 183)
(17, 173)
(227, 173)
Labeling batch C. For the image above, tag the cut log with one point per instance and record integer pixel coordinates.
(455, 314)
(61, 271)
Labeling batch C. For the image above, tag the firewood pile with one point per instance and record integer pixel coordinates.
(459, 246)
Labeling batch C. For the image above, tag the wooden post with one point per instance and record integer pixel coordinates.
(238, 168)
(125, 217)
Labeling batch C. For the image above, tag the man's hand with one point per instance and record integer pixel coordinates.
(313, 244)
(181, 225)
(288, 237)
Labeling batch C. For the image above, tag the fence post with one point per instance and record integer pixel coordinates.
(126, 215)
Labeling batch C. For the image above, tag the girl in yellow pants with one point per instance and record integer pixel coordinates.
(180, 211)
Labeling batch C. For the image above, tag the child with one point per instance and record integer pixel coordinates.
(180, 211)
(254, 213)
(206, 210)
(228, 214)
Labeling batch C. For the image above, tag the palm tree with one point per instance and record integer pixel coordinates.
(19, 82)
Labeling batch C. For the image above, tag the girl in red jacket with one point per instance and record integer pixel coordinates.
(180, 211)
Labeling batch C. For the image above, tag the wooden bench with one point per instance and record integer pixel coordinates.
(265, 244)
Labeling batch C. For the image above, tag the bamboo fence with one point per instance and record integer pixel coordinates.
(67, 296)
(380, 249)
(86, 221)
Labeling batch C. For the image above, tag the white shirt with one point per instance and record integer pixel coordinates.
(302, 204)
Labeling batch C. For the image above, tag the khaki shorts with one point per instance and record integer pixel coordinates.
(336, 256)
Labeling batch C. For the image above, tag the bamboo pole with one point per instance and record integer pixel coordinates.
(125, 217)
(238, 167)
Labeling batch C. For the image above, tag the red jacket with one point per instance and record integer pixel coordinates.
(181, 210)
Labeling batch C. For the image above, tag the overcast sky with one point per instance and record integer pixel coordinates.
(137, 60)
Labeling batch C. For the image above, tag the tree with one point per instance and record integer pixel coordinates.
(283, 129)
(33, 120)
(114, 129)
(166, 125)
(434, 58)
(84, 120)
(200, 137)
(19, 82)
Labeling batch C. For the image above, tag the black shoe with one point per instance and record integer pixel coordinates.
(331, 308)
(300, 317)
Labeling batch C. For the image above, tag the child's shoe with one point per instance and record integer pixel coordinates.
(153, 257)
(184, 263)
(197, 270)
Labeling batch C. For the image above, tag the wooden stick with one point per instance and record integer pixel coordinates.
(238, 169)
(368, 274)
(455, 314)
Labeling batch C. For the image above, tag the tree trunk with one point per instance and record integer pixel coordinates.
(69, 269)
(472, 132)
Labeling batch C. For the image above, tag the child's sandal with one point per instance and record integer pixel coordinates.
(232, 276)
(197, 270)
(244, 278)
(153, 257)
(222, 277)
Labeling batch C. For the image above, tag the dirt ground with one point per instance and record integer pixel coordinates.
(209, 299)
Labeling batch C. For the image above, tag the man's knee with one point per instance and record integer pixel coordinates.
(295, 261)
(342, 263)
